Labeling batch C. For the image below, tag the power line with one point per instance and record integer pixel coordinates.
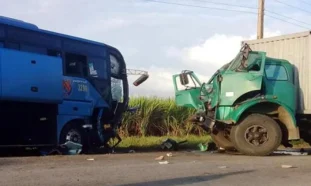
(206, 7)
(287, 21)
(306, 2)
(240, 6)
(287, 17)
(227, 4)
(293, 6)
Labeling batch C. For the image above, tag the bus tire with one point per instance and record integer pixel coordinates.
(74, 132)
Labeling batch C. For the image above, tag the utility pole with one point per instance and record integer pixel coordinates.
(260, 23)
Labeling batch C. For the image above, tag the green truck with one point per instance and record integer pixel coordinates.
(259, 100)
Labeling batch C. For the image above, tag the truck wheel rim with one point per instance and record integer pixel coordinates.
(73, 136)
(256, 135)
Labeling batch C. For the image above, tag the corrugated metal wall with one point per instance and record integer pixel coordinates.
(296, 49)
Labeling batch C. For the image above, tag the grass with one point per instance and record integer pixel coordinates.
(152, 143)
(156, 120)
(158, 117)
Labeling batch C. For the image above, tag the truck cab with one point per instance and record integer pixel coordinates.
(245, 105)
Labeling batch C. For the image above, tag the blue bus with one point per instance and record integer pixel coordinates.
(57, 88)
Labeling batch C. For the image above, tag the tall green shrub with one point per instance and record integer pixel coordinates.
(158, 117)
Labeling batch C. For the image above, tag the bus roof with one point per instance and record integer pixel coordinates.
(29, 26)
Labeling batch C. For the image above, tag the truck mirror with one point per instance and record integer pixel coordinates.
(141, 79)
(183, 78)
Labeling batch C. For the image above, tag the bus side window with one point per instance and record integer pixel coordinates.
(54, 53)
(1, 44)
(33, 49)
(76, 65)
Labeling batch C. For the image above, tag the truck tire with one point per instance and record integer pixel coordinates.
(256, 135)
(218, 137)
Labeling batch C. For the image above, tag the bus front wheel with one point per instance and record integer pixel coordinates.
(74, 132)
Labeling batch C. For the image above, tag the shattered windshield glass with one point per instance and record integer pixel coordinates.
(253, 62)
(224, 67)
(116, 89)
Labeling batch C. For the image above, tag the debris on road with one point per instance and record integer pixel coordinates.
(287, 166)
(71, 148)
(171, 144)
(221, 150)
(210, 146)
(159, 158)
(292, 152)
(202, 147)
(162, 157)
(163, 162)
(222, 167)
(90, 159)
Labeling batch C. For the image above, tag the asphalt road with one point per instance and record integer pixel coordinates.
(141, 169)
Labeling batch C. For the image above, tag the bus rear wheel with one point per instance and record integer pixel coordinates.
(256, 135)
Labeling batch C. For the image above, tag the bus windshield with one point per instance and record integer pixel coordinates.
(116, 83)
(97, 68)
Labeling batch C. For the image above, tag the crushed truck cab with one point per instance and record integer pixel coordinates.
(246, 105)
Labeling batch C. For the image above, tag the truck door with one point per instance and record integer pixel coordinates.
(187, 90)
(243, 78)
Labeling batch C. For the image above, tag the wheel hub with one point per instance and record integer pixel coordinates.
(256, 135)
(73, 136)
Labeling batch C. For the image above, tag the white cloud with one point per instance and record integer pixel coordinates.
(159, 83)
(267, 33)
(204, 59)
(218, 49)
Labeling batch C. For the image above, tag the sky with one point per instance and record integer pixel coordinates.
(163, 39)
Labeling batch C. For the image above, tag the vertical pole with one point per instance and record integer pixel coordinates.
(260, 23)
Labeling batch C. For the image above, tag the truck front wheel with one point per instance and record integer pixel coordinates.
(256, 135)
(221, 137)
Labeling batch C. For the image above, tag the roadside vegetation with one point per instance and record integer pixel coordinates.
(156, 120)
(158, 117)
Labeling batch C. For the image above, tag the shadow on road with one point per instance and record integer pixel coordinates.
(187, 180)
(6, 162)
